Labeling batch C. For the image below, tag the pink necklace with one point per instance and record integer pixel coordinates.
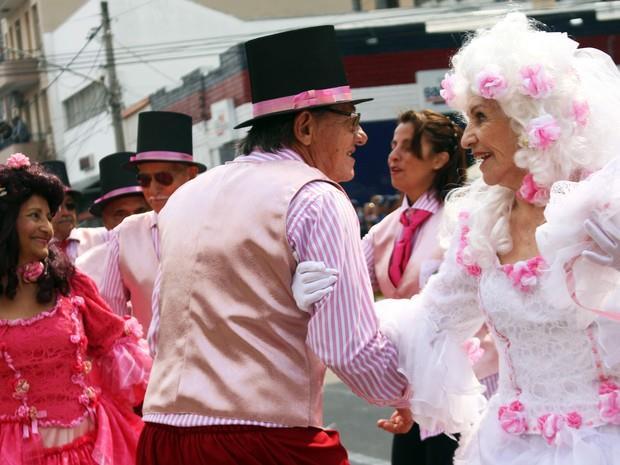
(30, 272)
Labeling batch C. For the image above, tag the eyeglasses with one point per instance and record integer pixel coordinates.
(355, 117)
(165, 178)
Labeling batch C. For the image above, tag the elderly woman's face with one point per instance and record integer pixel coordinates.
(491, 139)
(34, 229)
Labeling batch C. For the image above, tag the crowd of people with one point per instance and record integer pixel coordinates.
(491, 339)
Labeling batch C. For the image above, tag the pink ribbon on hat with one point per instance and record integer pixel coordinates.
(119, 191)
(161, 155)
(305, 99)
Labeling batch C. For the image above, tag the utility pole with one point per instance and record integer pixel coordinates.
(114, 89)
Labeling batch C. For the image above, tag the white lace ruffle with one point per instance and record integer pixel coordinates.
(446, 393)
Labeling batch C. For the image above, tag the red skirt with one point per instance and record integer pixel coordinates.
(239, 445)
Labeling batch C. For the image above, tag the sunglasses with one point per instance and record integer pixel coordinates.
(165, 178)
(355, 117)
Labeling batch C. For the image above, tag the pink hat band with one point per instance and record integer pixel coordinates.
(308, 98)
(118, 192)
(161, 155)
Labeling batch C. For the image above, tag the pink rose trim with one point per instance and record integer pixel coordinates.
(463, 255)
(543, 132)
(447, 88)
(524, 275)
(532, 192)
(512, 418)
(473, 350)
(133, 328)
(31, 272)
(574, 420)
(18, 160)
(550, 424)
(609, 402)
(535, 82)
(490, 83)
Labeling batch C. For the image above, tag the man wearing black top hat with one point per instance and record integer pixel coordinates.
(121, 196)
(162, 163)
(239, 369)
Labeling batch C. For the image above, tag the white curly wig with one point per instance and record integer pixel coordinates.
(563, 103)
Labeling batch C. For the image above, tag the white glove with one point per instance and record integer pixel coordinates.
(312, 281)
(607, 237)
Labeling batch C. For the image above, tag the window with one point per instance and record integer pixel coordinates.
(88, 102)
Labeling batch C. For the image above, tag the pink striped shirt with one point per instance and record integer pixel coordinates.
(427, 201)
(343, 328)
(112, 289)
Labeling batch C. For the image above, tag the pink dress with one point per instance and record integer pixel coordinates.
(68, 380)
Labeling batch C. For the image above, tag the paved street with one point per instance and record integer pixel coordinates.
(355, 420)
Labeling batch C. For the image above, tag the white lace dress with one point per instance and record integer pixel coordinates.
(558, 401)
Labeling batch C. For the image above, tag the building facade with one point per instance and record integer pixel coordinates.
(25, 124)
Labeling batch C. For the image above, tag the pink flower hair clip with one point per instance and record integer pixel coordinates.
(535, 82)
(17, 161)
(490, 83)
(542, 132)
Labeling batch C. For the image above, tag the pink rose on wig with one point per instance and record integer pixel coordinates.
(490, 83)
(574, 420)
(512, 418)
(535, 82)
(609, 403)
(18, 160)
(550, 424)
(543, 132)
(532, 192)
(31, 271)
(447, 87)
(580, 112)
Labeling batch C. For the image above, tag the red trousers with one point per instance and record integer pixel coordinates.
(239, 445)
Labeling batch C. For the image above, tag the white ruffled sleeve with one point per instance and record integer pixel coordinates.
(429, 331)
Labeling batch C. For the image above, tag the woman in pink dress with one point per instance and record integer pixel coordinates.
(70, 370)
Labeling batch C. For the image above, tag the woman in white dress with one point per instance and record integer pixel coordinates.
(539, 110)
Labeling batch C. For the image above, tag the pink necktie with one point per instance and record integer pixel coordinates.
(411, 219)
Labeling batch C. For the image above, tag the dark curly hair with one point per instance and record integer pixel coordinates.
(17, 185)
(444, 135)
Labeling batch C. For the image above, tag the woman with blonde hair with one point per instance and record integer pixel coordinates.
(541, 117)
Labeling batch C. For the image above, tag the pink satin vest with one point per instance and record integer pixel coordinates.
(138, 263)
(425, 248)
(232, 342)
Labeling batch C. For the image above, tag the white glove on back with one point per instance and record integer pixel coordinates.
(312, 281)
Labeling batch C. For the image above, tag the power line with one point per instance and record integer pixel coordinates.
(90, 38)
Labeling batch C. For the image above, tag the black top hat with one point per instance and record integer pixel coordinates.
(58, 169)
(115, 181)
(165, 136)
(296, 70)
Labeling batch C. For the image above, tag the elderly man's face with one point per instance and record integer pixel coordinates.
(335, 141)
(116, 210)
(65, 218)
